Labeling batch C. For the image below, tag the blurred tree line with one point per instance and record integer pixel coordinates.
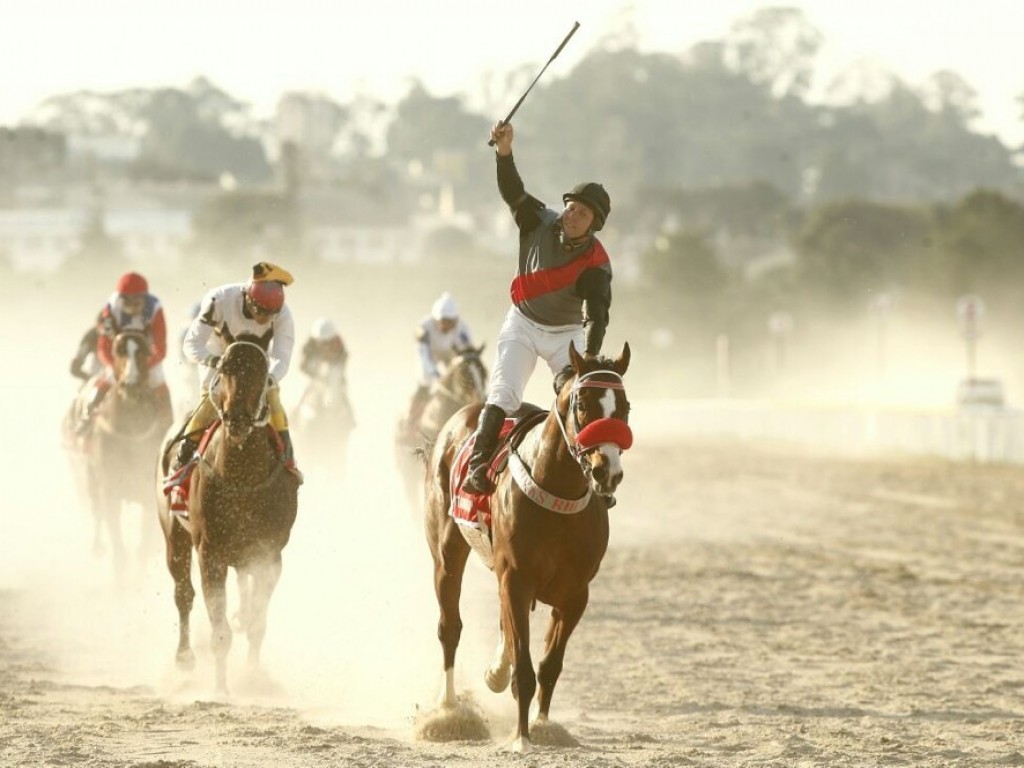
(734, 193)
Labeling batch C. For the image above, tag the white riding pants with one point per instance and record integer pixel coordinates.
(520, 342)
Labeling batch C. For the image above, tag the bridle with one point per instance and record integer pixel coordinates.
(597, 432)
(262, 415)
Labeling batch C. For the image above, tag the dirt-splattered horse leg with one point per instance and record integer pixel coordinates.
(214, 577)
(260, 580)
(179, 563)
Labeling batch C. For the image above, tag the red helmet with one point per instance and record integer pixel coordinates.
(268, 295)
(131, 284)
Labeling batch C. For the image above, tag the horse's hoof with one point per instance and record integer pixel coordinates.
(521, 745)
(498, 680)
(185, 660)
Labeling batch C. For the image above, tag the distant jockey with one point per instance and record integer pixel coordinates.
(323, 347)
(130, 308)
(439, 338)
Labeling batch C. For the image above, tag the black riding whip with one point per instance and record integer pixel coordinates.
(558, 50)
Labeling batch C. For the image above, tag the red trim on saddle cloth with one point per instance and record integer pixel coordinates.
(467, 508)
(534, 284)
(605, 431)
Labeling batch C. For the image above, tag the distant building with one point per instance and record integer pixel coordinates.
(346, 226)
(41, 239)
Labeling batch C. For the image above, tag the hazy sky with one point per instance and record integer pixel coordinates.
(259, 48)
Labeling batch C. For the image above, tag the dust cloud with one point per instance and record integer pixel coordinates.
(352, 625)
(351, 632)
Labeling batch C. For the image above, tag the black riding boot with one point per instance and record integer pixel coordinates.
(186, 450)
(491, 419)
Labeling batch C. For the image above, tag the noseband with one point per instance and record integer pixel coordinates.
(599, 431)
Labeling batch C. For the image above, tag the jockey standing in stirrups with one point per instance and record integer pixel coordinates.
(439, 337)
(561, 293)
(130, 308)
(257, 312)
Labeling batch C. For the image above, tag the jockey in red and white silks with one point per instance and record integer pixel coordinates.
(561, 293)
(131, 307)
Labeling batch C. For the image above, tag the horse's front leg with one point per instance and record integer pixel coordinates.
(516, 596)
(179, 563)
(244, 581)
(499, 673)
(263, 579)
(214, 575)
(563, 622)
(450, 556)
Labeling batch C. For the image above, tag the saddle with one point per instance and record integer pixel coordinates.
(474, 510)
(183, 475)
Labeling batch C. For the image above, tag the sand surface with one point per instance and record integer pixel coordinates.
(759, 606)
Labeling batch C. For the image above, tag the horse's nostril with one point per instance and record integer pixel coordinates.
(599, 474)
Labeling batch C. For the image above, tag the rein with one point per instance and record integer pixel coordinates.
(262, 417)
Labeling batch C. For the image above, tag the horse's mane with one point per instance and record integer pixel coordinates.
(242, 357)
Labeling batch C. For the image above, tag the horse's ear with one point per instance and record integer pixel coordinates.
(574, 357)
(622, 361)
(480, 349)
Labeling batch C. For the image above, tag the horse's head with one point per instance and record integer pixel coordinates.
(466, 376)
(242, 389)
(594, 410)
(130, 351)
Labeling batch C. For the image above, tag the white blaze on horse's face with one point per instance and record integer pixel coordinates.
(132, 372)
(608, 456)
(605, 459)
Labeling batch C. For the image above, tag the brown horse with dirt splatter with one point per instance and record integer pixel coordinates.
(242, 505)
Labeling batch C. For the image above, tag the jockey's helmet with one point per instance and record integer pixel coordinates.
(445, 308)
(132, 284)
(594, 196)
(266, 295)
(323, 330)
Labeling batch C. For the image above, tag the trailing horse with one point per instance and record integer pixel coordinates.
(463, 382)
(115, 465)
(548, 528)
(324, 418)
(242, 505)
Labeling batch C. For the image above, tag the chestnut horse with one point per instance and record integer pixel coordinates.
(242, 505)
(463, 382)
(115, 469)
(549, 528)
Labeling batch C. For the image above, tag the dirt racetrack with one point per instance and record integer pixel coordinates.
(759, 606)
